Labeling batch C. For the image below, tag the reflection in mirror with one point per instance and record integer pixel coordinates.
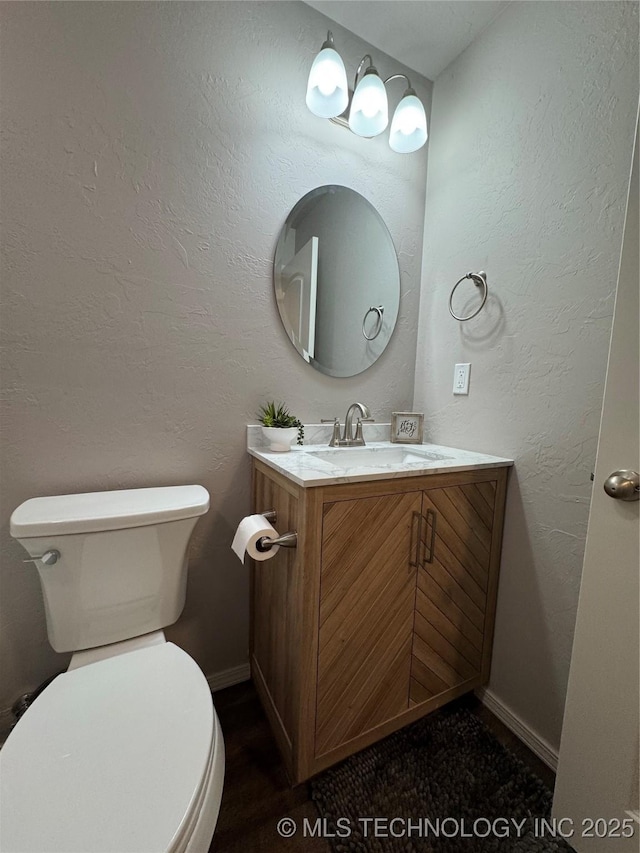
(337, 281)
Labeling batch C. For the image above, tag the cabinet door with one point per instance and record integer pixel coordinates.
(367, 595)
(451, 598)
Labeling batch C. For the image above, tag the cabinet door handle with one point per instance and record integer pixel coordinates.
(431, 519)
(414, 548)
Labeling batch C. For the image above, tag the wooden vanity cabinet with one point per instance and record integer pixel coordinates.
(384, 611)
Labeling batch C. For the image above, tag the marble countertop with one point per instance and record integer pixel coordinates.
(302, 466)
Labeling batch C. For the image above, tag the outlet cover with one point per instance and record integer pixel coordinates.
(461, 378)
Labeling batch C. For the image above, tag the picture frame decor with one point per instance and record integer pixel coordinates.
(407, 427)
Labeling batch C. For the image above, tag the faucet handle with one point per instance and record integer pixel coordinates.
(335, 438)
(359, 438)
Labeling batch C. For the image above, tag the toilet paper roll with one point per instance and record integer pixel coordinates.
(250, 529)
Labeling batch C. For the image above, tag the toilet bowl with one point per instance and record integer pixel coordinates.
(122, 753)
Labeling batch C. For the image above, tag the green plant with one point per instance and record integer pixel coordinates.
(272, 415)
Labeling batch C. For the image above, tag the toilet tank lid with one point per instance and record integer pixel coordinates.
(92, 512)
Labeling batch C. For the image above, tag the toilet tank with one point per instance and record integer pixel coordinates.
(122, 570)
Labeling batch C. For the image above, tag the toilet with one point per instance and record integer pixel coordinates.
(123, 752)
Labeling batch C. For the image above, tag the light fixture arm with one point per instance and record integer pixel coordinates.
(409, 90)
(395, 76)
(362, 61)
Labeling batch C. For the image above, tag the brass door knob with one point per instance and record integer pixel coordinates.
(623, 485)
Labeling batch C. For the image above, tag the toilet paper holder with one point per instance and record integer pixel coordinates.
(287, 540)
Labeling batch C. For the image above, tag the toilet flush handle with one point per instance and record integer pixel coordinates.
(49, 558)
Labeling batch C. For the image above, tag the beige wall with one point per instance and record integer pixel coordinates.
(151, 154)
(532, 131)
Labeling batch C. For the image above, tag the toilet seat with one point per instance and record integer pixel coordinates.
(113, 757)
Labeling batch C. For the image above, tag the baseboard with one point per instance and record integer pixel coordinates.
(229, 677)
(536, 744)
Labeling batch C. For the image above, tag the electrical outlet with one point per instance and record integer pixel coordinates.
(461, 378)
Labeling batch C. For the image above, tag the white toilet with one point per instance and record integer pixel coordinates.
(122, 753)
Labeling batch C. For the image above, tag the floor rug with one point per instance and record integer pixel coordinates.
(441, 785)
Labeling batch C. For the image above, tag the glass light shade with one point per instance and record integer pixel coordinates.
(369, 113)
(327, 89)
(409, 125)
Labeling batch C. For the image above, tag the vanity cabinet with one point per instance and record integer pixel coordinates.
(383, 612)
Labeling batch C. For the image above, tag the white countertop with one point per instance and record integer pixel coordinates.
(302, 467)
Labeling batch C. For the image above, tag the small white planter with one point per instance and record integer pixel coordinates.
(279, 438)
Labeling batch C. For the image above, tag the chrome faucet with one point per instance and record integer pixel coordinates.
(348, 438)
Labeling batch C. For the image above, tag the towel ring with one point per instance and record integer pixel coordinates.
(379, 311)
(480, 280)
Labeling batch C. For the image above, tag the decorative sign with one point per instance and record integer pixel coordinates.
(407, 427)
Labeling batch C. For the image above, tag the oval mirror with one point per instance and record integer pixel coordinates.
(337, 281)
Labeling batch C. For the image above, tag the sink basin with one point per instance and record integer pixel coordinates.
(376, 457)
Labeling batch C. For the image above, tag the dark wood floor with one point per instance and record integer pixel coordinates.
(256, 791)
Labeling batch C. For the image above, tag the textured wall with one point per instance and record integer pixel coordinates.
(151, 154)
(532, 131)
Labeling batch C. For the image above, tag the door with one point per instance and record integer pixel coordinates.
(367, 592)
(297, 297)
(598, 765)
(453, 580)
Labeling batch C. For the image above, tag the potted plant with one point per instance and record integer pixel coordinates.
(279, 426)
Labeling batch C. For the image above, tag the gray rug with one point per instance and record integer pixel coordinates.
(450, 785)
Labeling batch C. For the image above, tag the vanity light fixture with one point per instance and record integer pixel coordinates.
(365, 110)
